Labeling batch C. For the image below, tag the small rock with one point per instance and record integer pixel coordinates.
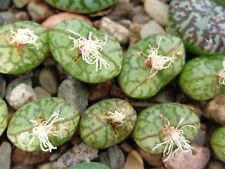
(157, 10)
(29, 158)
(123, 10)
(134, 161)
(151, 28)
(113, 157)
(183, 160)
(22, 15)
(5, 157)
(20, 166)
(45, 166)
(116, 91)
(2, 87)
(99, 91)
(216, 165)
(39, 11)
(6, 18)
(152, 159)
(140, 16)
(20, 92)
(41, 93)
(118, 31)
(4, 4)
(200, 139)
(55, 19)
(79, 153)
(134, 33)
(48, 79)
(20, 3)
(215, 109)
(73, 91)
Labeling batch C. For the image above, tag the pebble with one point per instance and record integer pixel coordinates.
(123, 10)
(20, 166)
(50, 22)
(41, 93)
(216, 165)
(5, 157)
(157, 10)
(39, 11)
(74, 92)
(29, 158)
(2, 87)
(215, 109)
(20, 92)
(200, 139)
(165, 95)
(20, 3)
(79, 153)
(183, 160)
(48, 79)
(120, 32)
(4, 4)
(140, 16)
(9, 17)
(152, 159)
(151, 28)
(113, 157)
(135, 29)
(134, 161)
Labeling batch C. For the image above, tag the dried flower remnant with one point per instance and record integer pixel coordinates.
(116, 118)
(23, 36)
(43, 129)
(90, 48)
(156, 61)
(221, 75)
(174, 137)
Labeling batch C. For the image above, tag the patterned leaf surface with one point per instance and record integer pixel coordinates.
(3, 116)
(134, 77)
(16, 59)
(71, 60)
(148, 129)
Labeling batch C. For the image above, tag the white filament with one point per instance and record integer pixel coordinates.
(221, 75)
(174, 138)
(117, 117)
(42, 130)
(157, 61)
(90, 49)
(24, 36)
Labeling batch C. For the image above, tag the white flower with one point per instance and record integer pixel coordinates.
(174, 137)
(90, 49)
(23, 36)
(43, 129)
(221, 75)
(156, 61)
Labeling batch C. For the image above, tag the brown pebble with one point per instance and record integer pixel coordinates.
(50, 22)
(152, 159)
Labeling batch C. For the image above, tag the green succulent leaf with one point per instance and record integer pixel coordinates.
(19, 58)
(3, 116)
(151, 122)
(199, 78)
(90, 165)
(70, 58)
(97, 128)
(135, 78)
(81, 6)
(61, 127)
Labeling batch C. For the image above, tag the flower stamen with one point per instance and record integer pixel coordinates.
(174, 137)
(221, 75)
(43, 129)
(90, 49)
(156, 61)
(24, 36)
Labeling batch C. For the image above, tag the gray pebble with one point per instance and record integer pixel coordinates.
(20, 3)
(73, 91)
(2, 87)
(4, 4)
(41, 93)
(5, 157)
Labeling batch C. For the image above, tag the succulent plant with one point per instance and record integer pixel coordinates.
(200, 24)
(220, 2)
(24, 45)
(151, 64)
(84, 52)
(107, 123)
(204, 78)
(43, 124)
(90, 165)
(3, 116)
(164, 127)
(218, 144)
(82, 6)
